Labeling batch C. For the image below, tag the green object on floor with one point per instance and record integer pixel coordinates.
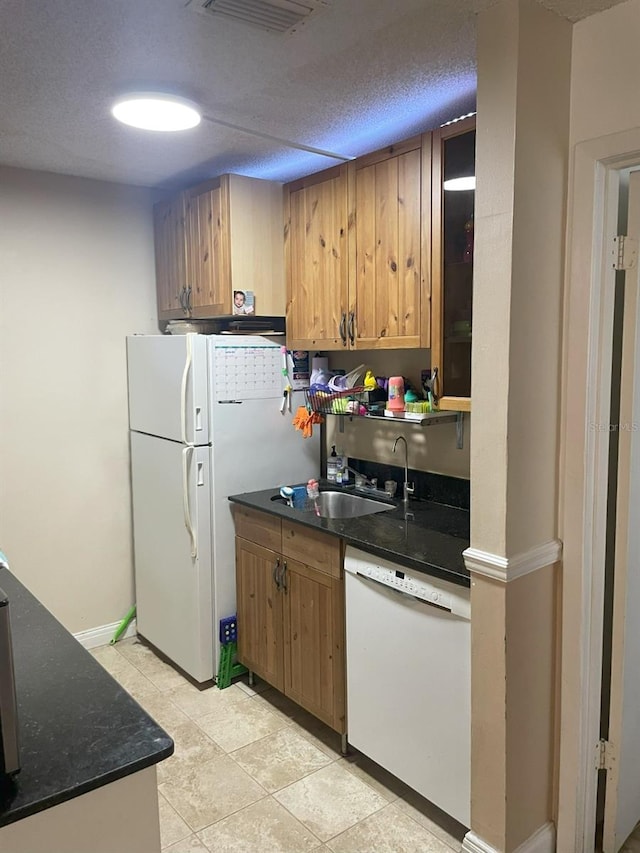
(122, 627)
(228, 669)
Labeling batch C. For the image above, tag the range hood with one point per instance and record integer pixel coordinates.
(229, 324)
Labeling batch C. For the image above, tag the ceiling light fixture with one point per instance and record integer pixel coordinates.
(156, 111)
(460, 184)
(159, 111)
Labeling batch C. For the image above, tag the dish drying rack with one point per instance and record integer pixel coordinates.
(345, 402)
(355, 402)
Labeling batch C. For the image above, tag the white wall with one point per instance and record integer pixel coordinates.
(604, 73)
(76, 276)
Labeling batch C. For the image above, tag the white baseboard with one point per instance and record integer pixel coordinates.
(543, 840)
(474, 844)
(103, 635)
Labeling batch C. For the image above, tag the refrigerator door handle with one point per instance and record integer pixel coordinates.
(183, 391)
(187, 455)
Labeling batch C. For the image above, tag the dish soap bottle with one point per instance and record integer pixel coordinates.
(342, 475)
(332, 465)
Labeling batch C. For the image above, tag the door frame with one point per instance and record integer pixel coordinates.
(584, 451)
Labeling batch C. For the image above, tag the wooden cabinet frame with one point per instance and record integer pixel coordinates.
(460, 404)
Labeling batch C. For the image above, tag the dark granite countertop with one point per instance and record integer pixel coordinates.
(429, 539)
(78, 728)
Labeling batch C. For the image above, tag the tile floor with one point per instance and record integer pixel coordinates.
(252, 771)
(632, 844)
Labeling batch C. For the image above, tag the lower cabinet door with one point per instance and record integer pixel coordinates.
(260, 611)
(314, 643)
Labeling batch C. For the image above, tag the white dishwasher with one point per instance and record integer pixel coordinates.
(409, 677)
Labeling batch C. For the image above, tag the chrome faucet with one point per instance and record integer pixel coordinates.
(361, 481)
(408, 488)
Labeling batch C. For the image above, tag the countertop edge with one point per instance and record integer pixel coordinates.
(281, 511)
(79, 730)
(71, 793)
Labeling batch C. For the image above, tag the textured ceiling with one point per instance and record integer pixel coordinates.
(358, 75)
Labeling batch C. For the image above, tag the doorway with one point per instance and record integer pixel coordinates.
(618, 791)
(599, 516)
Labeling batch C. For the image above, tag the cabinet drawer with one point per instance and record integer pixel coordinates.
(318, 550)
(258, 527)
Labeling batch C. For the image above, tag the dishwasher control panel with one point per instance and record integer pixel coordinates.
(400, 580)
(438, 593)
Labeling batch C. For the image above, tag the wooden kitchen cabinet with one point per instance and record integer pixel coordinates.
(316, 260)
(170, 237)
(208, 251)
(452, 264)
(389, 283)
(260, 611)
(314, 670)
(291, 611)
(357, 247)
(217, 237)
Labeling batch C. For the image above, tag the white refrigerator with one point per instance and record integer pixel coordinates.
(205, 423)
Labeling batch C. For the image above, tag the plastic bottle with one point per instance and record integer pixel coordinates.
(313, 493)
(342, 475)
(332, 465)
(396, 394)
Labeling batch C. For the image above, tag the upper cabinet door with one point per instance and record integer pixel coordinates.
(452, 261)
(316, 260)
(208, 242)
(170, 246)
(389, 305)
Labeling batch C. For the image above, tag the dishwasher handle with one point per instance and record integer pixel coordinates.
(405, 594)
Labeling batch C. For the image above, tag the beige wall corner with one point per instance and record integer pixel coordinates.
(524, 62)
(530, 676)
(77, 277)
(488, 710)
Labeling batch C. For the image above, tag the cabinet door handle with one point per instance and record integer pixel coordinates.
(283, 576)
(189, 299)
(343, 328)
(274, 574)
(352, 325)
(181, 299)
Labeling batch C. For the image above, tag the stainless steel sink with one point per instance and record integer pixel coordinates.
(343, 505)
